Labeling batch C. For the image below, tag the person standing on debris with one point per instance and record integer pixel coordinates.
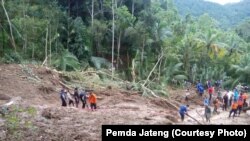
(200, 88)
(207, 113)
(206, 101)
(225, 101)
(183, 111)
(216, 103)
(208, 84)
(92, 101)
(230, 97)
(76, 96)
(210, 92)
(236, 95)
(219, 95)
(83, 97)
(63, 97)
(70, 98)
(245, 98)
(240, 103)
(233, 109)
(186, 95)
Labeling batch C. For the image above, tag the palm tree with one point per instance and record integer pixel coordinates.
(242, 70)
(66, 61)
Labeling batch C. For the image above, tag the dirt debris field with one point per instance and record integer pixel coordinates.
(37, 113)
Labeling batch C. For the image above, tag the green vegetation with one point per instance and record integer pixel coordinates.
(147, 41)
(228, 15)
(15, 121)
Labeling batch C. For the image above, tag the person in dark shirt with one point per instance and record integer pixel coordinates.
(76, 96)
(63, 96)
(225, 101)
(208, 113)
(83, 97)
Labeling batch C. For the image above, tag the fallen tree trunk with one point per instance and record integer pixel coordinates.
(169, 102)
(64, 85)
(200, 115)
(194, 119)
(68, 87)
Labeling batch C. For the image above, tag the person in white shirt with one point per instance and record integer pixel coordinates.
(187, 93)
(70, 98)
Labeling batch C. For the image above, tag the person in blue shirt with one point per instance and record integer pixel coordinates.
(236, 95)
(200, 88)
(183, 111)
(206, 101)
(198, 85)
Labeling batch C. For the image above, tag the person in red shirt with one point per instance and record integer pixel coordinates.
(210, 92)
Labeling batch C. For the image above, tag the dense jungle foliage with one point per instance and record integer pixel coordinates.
(139, 40)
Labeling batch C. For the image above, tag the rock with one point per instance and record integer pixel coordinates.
(169, 123)
(4, 97)
(147, 118)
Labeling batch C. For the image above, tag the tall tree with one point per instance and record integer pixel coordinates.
(10, 25)
(113, 35)
(123, 21)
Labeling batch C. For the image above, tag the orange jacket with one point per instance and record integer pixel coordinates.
(244, 96)
(240, 102)
(234, 105)
(92, 98)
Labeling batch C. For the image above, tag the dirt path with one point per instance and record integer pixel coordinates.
(221, 118)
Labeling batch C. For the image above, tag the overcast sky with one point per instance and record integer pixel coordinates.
(224, 1)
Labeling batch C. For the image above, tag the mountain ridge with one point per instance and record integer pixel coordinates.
(228, 15)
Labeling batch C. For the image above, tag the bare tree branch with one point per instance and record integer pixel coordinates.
(159, 59)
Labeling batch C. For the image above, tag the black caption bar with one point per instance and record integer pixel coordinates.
(176, 132)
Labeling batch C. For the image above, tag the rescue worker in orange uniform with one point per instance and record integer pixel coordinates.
(234, 108)
(92, 101)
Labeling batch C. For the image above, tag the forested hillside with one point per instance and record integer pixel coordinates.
(228, 15)
(69, 66)
(139, 40)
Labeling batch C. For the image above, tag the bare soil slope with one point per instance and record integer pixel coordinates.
(40, 116)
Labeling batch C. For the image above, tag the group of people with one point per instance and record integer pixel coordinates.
(88, 99)
(235, 99)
